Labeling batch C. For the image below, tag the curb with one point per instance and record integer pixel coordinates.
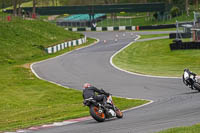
(31, 66)
(58, 47)
(144, 75)
(73, 121)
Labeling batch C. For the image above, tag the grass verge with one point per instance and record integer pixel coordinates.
(156, 58)
(191, 129)
(25, 100)
(152, 36)
(141, 21)
(165, 29)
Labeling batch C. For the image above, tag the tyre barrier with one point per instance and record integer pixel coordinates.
(137, 28)
(157, 27)
(122, 28)
(58, 47)
(184, 45)
(183, 35)
(110, 28)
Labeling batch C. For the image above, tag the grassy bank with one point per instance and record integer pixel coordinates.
(191, 129)
(29, 38)
(155, 58)
(25, 100)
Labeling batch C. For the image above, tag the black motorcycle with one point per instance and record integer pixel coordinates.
(100, 111)
(190, 79)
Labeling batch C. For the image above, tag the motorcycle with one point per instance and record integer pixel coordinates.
(100, 111)
(190, 79)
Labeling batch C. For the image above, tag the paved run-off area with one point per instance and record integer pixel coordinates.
(174, 104)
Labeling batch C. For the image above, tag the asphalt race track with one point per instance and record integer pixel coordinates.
(174, 104)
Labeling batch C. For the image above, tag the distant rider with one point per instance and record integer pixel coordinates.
(90, 91)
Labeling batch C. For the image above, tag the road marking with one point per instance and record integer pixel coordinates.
(151, 76)
(33, 71)
(72, 121)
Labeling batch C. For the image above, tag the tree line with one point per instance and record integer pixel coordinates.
(16, 4)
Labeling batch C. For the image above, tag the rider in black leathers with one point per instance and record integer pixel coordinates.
(90, 91)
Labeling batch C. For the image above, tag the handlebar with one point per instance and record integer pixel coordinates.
(190, 72)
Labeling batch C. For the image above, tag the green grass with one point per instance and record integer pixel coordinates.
(191, 129)
(152, 36)
(26, 38)
(167, 29)
(141, 21)
(25, 100)
(155, 58)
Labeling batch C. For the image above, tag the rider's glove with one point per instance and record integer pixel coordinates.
(107, 94)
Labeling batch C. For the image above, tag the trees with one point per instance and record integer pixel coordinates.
(183, 5)
(5, 3)
(19, 7)
(34, 6)
(197, 4)
(187, 7)
(15, 7)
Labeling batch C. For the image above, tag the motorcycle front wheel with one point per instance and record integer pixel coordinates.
(97, 114)
(119, 114)
(197, 86)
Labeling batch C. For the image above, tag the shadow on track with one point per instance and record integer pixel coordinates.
(190, 93)
(108, 120)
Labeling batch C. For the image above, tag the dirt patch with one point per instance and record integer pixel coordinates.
(27, 66)
(53, 17)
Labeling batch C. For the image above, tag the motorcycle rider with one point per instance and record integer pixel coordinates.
(90, 91)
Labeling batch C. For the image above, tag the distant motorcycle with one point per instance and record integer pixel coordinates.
(190, 79)
(100, 112)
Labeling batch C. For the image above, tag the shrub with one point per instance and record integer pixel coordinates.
(175, 11)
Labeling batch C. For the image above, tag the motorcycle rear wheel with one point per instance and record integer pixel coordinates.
(94, 112)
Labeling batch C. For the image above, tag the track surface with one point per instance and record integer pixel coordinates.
(174, 104)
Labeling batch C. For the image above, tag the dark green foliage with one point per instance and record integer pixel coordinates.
(175, 11)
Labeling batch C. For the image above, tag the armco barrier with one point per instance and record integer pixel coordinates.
(185, 45)
(110, 28)
(58, 47)
(98, 28)
(129, 28)
(116, 28)
(121, 28)
(104, 28)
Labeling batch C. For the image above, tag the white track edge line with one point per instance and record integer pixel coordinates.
(150, 76)
(149, 102)
(31, 66)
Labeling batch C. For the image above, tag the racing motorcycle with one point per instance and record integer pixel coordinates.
(100, 111)
(190, 79)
